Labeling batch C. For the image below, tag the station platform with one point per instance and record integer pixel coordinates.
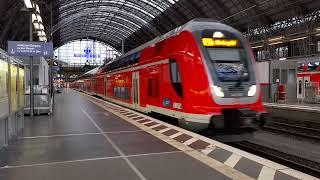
(88, 138)
(294, 111)
(298, 106)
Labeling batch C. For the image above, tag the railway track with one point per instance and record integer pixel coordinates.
(294, 162)
(294, 129)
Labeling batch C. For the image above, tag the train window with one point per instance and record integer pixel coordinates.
(176, 77)
(127, 61)
(118, 65)
(127, 93)
(121, 92)
(115, 91)
(306, 83)
(122, 63)
(131, 60)
(300, 87)
(137, 57)
(111, 66)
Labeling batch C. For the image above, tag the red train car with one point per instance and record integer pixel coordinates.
(308, 75)
(201, 73)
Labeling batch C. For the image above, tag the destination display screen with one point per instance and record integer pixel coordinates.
(212, 42)
(217, 38)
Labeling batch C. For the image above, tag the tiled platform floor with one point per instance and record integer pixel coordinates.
(83, 141)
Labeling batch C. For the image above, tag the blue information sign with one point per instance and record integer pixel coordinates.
(27, 48)
(166, 102)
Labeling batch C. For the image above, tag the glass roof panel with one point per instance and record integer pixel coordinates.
(106, 19)
(80, 52)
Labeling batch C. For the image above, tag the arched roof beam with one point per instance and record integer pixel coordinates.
(127, 17)
(107, 6)
(161, 6)
(114, 35)
(69, 40)
(79, 36)
(70, 26)
(124, 31)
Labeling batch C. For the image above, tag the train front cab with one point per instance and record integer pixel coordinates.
(224, 91)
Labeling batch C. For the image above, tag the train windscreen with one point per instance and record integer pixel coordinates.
(229, 63)
(227, 56)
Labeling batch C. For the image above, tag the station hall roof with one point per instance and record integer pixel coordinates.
(138, 21)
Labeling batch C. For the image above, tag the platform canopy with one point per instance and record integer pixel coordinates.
(138, 21)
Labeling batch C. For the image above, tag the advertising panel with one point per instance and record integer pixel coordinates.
(21, 88)
(4, 104)
(13, 88)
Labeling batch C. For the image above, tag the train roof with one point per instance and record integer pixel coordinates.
(198, 24)
(193, 25)
(91, 72)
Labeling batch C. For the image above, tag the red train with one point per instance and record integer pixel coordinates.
(202, 73)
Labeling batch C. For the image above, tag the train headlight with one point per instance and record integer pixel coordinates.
(252, 90)
(218, 91)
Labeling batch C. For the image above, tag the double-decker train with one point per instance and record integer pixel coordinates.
(202, 73)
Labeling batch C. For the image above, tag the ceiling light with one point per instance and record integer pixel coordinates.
(34, 18)
(275, 43)
(41, 27)
(255, 47)
(41, 33)
(28, 4)
(276, 38)
(36, 26)
(39, 18)
(37, 8)
(298, 38)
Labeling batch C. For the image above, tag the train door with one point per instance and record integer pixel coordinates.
(306, 81)
(105, 87)
(302, 83)
(135, 89)
(93, 86)
(300, 87)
